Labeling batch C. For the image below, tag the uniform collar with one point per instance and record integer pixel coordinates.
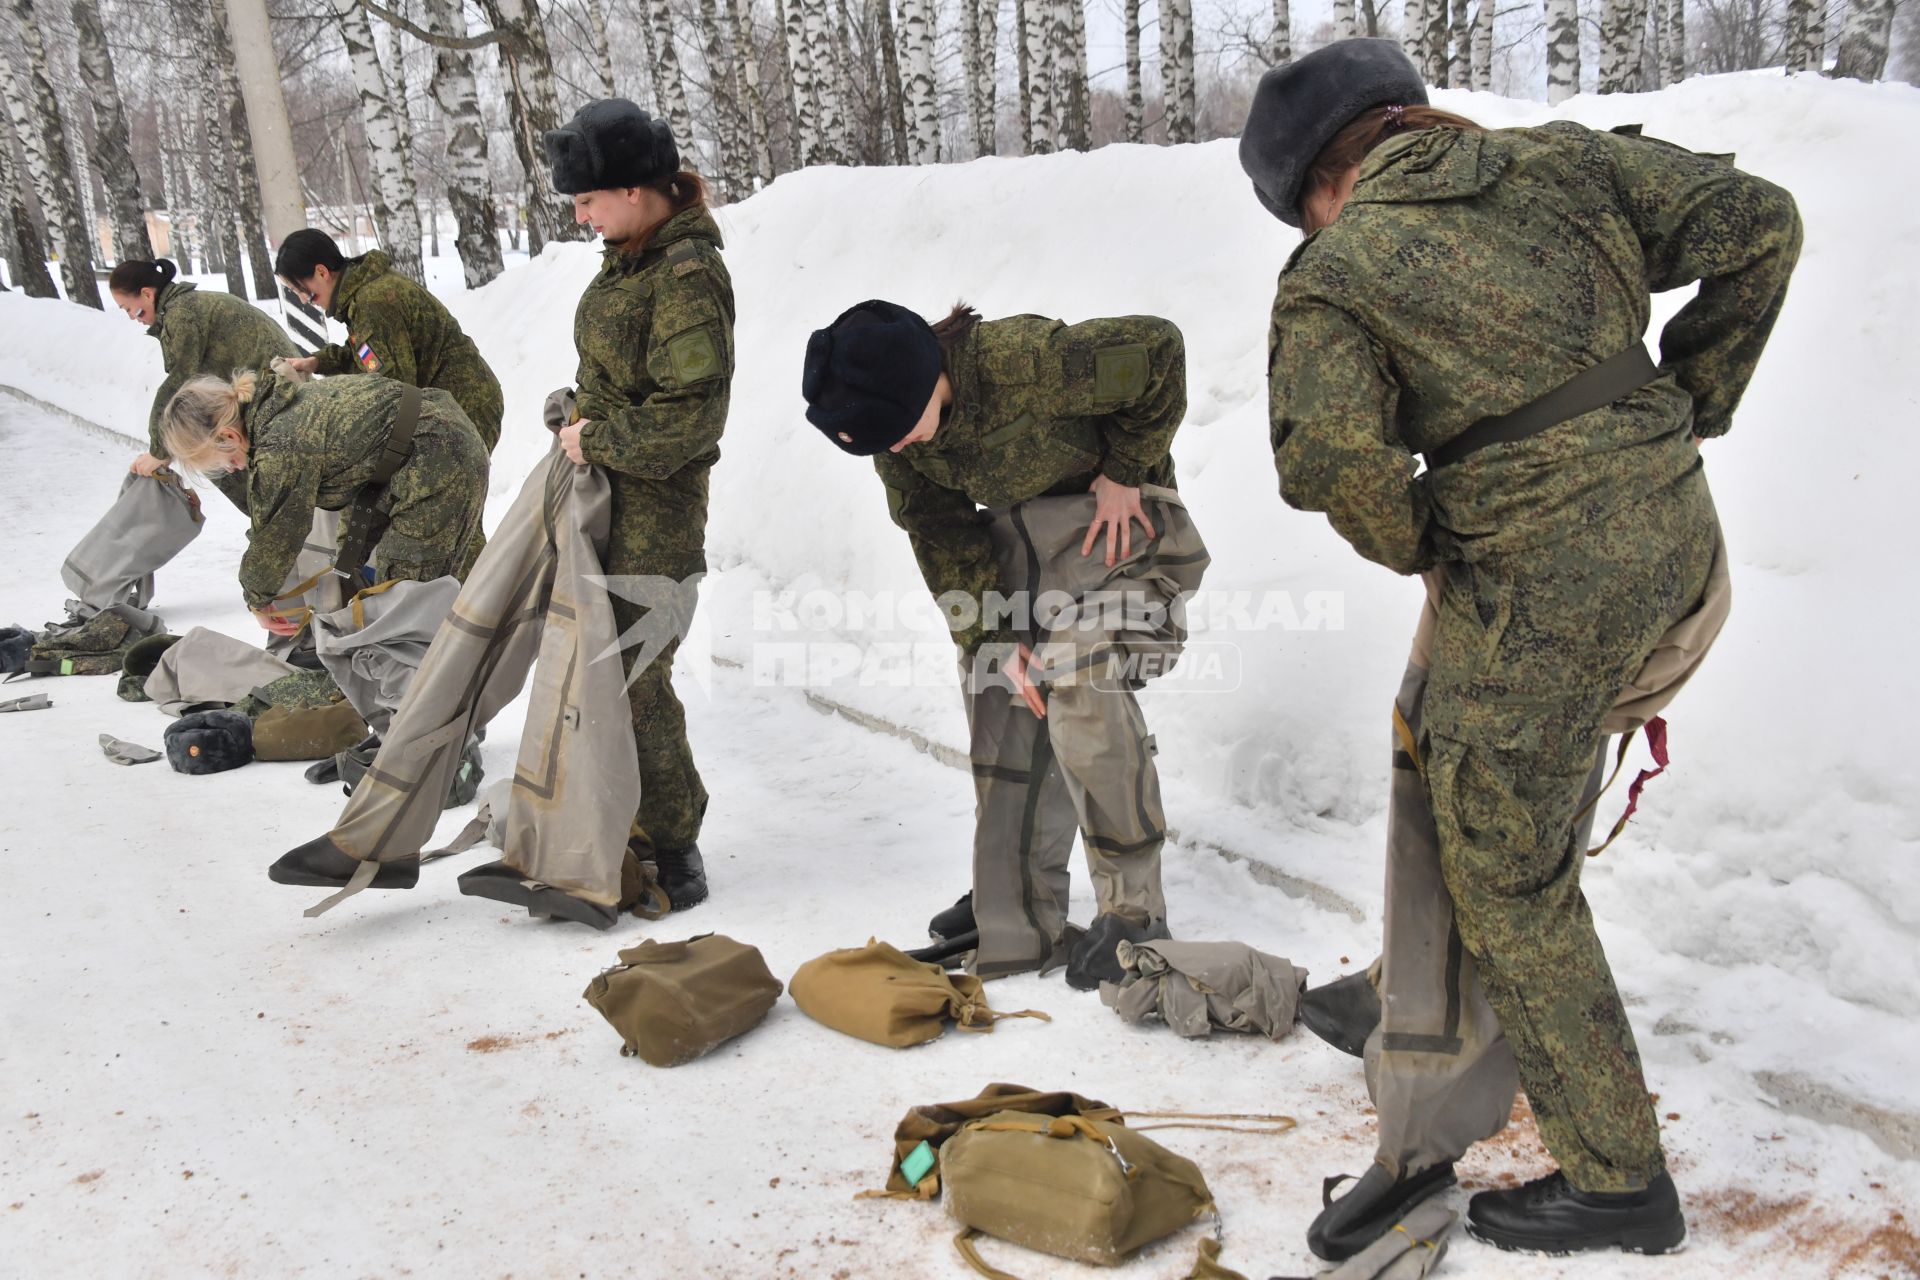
(1428, 164)
(368, 266)
(689, 224)
(164, 299)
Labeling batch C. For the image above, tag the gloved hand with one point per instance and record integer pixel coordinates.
(559, 411)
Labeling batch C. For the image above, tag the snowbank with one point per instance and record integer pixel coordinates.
(1778, 850)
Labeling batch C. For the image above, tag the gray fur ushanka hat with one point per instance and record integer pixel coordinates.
(610, 143)
(1299, 107)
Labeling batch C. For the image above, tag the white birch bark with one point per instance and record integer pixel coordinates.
(26, 251)
(1176, 67)
(36, 120)
(669, 84)
(247, 202)
(602, 52)
(970, 72)
(1060, 64)
(1563, 50)
(1673, 42)
(1482, 47)
(533, 110)
(802, 124)
(1344, 26)
(1864, 41)
(1038, 43)
(469, 173)
(1135, 109)
(987, 139)
(831, 126)
(922, 97)
(112, 146)
(1280, 43)
(893, 88)
(746, 73)
(388, 171)
(1460, 44)
(1080, 90)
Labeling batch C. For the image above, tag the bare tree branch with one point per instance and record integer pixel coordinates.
(477, 41)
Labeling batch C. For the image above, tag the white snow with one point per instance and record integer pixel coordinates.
(412, 1084)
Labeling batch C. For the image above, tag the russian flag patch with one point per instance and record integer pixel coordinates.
(368, 360)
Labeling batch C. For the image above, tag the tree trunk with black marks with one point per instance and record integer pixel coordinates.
(389, 170)
(36, 120)
(1563, 50)
(26, 251)
(469, 173)
(1176, 68)
(112, 144)
(1864, 41)
(1136, 97)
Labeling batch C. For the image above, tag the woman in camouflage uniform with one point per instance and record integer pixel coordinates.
(1479, 298)
(395, 328)
(1064, 432)
(215, 334)
(654, 331)
(312, 445)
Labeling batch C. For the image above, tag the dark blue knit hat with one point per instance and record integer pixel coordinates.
(1299, 107)
(869, 375)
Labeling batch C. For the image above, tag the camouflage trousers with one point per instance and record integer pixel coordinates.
(1530, 655)
(658, 533)
(1089, 765)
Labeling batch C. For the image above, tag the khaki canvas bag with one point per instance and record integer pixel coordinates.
(672, 1002)
(1073, 1186)
(307, 733)
(933, 1123)
(880, 994)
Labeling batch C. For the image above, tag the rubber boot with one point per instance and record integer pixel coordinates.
(502, 883)
(948, 953)
(1377, 1201)
(1548, 1215)
(1343, 1012)
(1095, 958)
(323, 864)
(954, 921)
(683, 875)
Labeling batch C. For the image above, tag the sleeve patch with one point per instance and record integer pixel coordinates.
(364, 355)
(1120, 373)
(694, 355)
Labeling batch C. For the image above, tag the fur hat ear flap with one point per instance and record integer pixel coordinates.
(209, 742)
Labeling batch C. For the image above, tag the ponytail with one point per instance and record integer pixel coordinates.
(199, 411)
(135, 274)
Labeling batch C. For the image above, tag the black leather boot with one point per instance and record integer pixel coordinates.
(954, 921)
(683, 875)
(1548, 1215)
(1377, 1201)
(322, 864)
(1343, 1012)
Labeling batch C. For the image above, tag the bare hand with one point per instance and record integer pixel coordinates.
(146, 464)
(278, 623)
(1016, 670)
(570, 442)
(1118, 506)
(305, 364)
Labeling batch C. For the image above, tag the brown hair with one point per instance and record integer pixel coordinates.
(1360, 135)
(958, 324)
(198, 411)
(683, 191)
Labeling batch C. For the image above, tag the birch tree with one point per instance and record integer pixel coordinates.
(1460, 42)
(1864, 41)
(112, 145)
(1799, 47)
(1482, 47)
(528, 62)
(1623, 25)
(1079, 93)
(1176, 67)
(26, 251)
(803, 121)
(216, 171)
(1673, 42)
(469, 181)
(1135, 108)
(747, 75)
(922, 97)
(987, 140)
(1280, 43)
(36, 121)
(973, 56)
(722, 104)
(1563, 50)
(1344, 27)
(1413, 31)
(602, 52)
(669, 83)
(389, 174)
(1066, 127)
(892, 84)
(828, 89)
(1038, 94)
(1434, 47)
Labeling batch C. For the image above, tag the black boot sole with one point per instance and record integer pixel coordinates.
(321, 864)
(1659, 1238)
(548, 901)
(947, 952)
(1380, 1219)
(496, 881)
(685, 896)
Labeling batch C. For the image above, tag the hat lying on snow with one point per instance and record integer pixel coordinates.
(869, 375)
(15, 644)
(209, 742)
(610, 143)
(1299, 107)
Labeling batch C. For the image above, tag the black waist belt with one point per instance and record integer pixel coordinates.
(367, 516)
(1590, 389)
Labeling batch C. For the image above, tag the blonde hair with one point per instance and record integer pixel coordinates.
(190, 423)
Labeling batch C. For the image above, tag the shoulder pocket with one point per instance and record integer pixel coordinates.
(1000, 436)
(694, 355)
(1120, 373)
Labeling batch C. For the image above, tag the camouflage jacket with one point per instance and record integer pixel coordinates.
(655, 336)
(1039, 407)
(208, 333)
(316, 444)
(397, 328)
(1469, 274)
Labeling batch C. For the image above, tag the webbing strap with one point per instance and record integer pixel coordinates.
(1592, 388)
(470, 835)
(1273, 1124)
(362, 877)
(1206, 1263)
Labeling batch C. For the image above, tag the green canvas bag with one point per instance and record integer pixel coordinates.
(672, 1002)
(1070, 1185)
(880, 994)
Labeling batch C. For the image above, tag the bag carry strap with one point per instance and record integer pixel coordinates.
(356, 542)
(1271, 1125)
(1592, 388)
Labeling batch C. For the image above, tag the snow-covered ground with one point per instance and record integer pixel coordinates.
(412, 1084)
